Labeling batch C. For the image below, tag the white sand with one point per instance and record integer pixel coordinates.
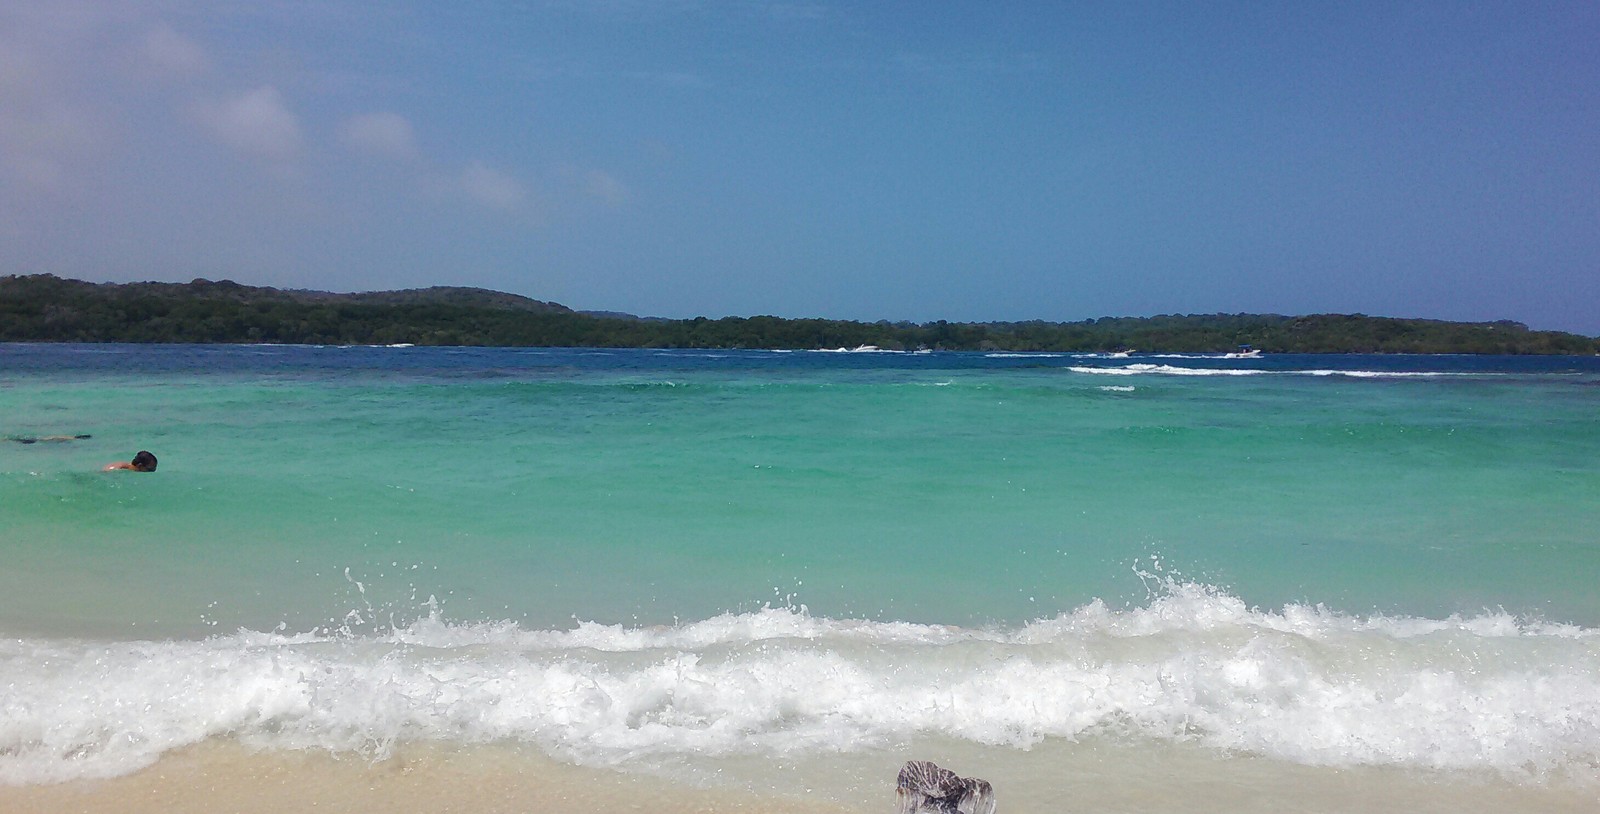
(1092, 776)
(226, 778)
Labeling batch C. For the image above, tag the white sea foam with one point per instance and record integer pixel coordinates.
(1302, 684)
(1394, 374)
(1168, 370)
(1178, 370)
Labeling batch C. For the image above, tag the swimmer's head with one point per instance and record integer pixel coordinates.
(144, 462)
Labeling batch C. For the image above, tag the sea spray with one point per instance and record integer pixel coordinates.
(1195, 665)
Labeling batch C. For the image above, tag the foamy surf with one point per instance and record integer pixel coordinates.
(1180, 370)
(1396, 374)
(1168, 370)
(1193, 666)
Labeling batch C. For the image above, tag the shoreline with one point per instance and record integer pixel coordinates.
(1092, 775)
(496, 779)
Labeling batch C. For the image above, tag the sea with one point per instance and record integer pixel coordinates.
(1163, 582)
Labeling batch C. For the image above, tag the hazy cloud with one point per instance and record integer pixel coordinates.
(605, 188)
(41, 137)
(170, 55)
(39, 172)
(784, 11)
(981, 65)
(386, 135)
(491, 187)
(45, 127)
(257, 124)
(595, 185)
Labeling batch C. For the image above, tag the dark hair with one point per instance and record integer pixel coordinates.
(144, 462)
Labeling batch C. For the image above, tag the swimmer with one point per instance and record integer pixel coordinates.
(35, 439)
(143, 462)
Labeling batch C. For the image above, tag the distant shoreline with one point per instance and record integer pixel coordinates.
(46, 308)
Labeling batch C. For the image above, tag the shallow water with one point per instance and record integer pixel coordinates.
(641, 558)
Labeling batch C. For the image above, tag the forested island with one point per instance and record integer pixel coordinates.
(46, 308)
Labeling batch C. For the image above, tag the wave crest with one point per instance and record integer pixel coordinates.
(1196, 664)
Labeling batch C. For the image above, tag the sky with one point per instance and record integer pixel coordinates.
(965, 161)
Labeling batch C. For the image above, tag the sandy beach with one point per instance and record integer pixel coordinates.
(216, 778)
(1101, 776)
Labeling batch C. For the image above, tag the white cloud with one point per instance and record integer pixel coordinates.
(386, 135)
(42, 136)
(605, 188)
(596, 185)
(170, 55)
(491, 187)
(50, 125)
(256, 124)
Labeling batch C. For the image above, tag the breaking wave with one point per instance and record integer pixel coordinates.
(1302, 684)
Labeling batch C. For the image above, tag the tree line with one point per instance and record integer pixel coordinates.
(46, 308)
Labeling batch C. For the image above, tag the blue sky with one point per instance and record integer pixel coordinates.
(965, 161)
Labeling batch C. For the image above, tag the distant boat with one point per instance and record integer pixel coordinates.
(1244, 352)
(1121, 354)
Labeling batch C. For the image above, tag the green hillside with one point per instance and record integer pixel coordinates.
(45, 308)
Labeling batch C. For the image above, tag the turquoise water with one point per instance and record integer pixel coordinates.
(419, 500)
(962, 495)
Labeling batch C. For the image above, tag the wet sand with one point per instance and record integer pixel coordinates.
(232, 779)
(1099, 776)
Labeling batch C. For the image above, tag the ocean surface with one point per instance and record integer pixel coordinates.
(691, 563)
